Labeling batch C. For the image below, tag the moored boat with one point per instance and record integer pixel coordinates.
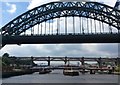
(71, 71)
(45, 70)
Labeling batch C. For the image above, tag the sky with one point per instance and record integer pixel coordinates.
(13, 8)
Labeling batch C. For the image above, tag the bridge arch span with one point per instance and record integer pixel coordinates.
(93, 10)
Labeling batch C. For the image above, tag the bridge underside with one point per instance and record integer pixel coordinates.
(54, 39)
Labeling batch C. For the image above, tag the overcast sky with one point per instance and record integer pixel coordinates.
(10, 10)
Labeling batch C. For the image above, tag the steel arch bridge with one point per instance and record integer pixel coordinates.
(93, 18)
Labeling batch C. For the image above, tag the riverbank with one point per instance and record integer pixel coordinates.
(16, 73)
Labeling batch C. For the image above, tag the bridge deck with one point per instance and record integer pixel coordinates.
(54, 39)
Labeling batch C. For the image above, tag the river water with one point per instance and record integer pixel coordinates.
(56, 76)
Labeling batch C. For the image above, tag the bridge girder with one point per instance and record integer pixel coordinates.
(52, 10)
(56, 39)
(68, 59)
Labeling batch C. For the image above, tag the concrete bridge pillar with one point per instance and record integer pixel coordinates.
(65, 60)
(82, 61)
(48, 60)
(83, 65)
(32, 63)
(99, 62)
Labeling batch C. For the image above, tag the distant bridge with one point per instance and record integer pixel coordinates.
(67, 59)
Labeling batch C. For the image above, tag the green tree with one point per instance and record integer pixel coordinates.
(5, 55)
(5, 59)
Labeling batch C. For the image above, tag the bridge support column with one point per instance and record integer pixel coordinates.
(32, 63)
(65, 60)
(48, 61)
(99, 62)
(83, 65)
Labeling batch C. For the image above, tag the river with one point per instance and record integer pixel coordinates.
(56, 76)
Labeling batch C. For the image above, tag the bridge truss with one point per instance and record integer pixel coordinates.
(64, 19)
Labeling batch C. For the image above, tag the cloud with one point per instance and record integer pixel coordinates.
(35, 3)
(74, 50)
(15, 0)
(12, 8)
(109, 2)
